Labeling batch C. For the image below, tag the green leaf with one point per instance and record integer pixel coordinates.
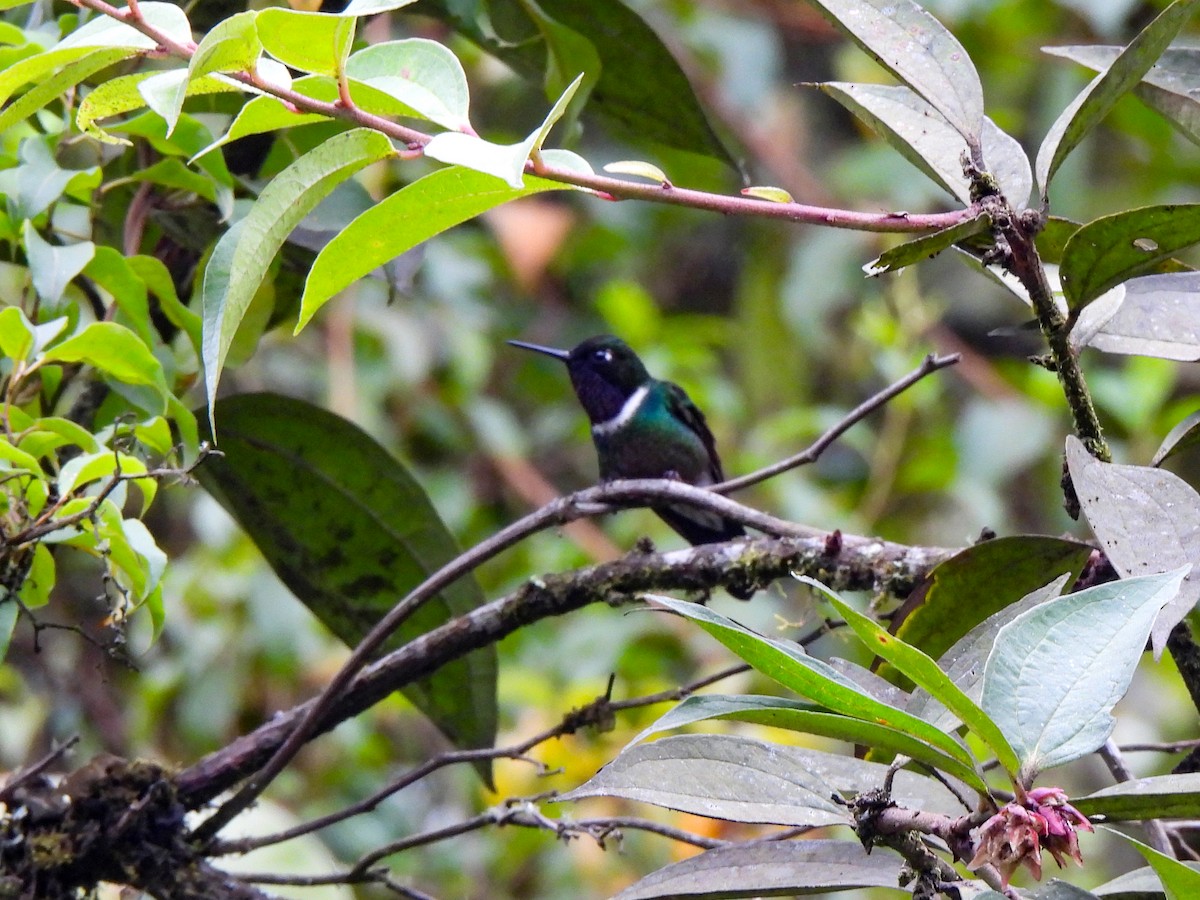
(1102, 94)
(504, 161)
(105, 31)
(924, 673)
(804, 718)
(788, 664)
(264, 114)
(1154, 315)
(642, 91)
(398, 223)
(309, 41)
(639, 168)
(965, 660)
(1115, 248)
(51, 266)
(1182, 437)
(110, 270)
(771, 869)
(8, 621)
(1170, 86)
(231, 46)
(48, 89)
(927, 247)
(766, 192)
(570, 57)
(1147, 521)
(114, 350)
(721, 776)
(239, 261)
(1158, 797)
(1051, 712)
(920, 134)
(1052, 239)
(350, 532)
(125, 94)
(35, 589)
(916, 48)
(1179, 881)
(16, 333)
(37, 181)
(371, 7)
(154, 274)
(57, 432)
(422, 75)
(979, 582)
(164, 93)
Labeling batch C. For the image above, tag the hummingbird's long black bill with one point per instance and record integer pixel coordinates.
(538, 348)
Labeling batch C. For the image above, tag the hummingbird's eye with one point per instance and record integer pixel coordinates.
(603, 355)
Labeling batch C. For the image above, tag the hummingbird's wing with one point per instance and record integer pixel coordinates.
(683, 409)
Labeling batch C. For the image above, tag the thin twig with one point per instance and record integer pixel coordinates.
(1156, 834)
(22, 776)
(931, 364)
(597, 711)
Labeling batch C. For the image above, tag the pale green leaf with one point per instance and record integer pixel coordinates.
(504, 161)
(114, 350)
(1056, 671)
(309, 41)
(1102, 94)
(924, 673)
(916, 48)
(640, 169)
(52, 266)
(422, 75)
(398, 223)
(105, 31)
(239, 261)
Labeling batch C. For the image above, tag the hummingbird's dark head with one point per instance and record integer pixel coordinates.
(604, 372)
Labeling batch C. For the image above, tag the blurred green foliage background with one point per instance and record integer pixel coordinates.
(774, 331)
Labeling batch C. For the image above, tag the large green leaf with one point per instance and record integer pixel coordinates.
(1179, 881)
(1115, 248)
(916, 48)
(788, 664)
(350, 532)
(771, 869)
(1147, 520)
(52, 86)
(806, 718)
(721, 776)
(240, 259)
(312, 42)
(1102, 94)
(1159, 797)
(1057, 670)
(924, 137)
(1170, 87)
(1153, 315)
(981, 580)
(964, 662)
(924, 673)
(641, 88)
(398, 223)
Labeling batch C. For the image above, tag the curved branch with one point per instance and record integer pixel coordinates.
(860, 563)
(928, 366)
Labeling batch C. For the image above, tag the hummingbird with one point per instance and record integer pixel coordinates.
(645, 428)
